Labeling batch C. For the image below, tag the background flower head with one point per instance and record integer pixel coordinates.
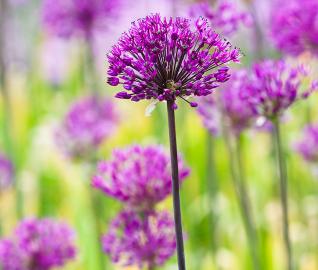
(143, 240)
(139, 176)
(165, 58)
(38, 245)
(70, 17)
(230, 105)
(295, 26)
(274, 86)
(308, 145)
(6, 172)
(89, 121)
(225, 16)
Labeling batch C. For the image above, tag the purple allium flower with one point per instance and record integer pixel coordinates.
(163, 59)
(140, 239)
(38, 245)
(12, 257)
(6, 172)
(308, 145)
(273, 87)
(224, 15)
(70, 17)
(295, 26)
(139, 176)
(232, 103)
(88, 122)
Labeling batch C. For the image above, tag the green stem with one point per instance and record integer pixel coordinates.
(281, 162)
(213, 187)
(175, 186)
(7, 117)
(234, 152)
(97, 210)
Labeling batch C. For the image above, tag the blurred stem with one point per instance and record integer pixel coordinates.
(175, 185)
(258, 35)
(235, 156)
(281, 162)
(91, 71)
(6, 104)
(213, 187)
(97, 208)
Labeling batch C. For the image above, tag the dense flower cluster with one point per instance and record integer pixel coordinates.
(37, 245)
(162, 59)
(308, 145)
(69, 17)
(88, 122)
(231, 103)
(138, 176)
(274, 86)
(6, 172)
(146, 240)
(224, 16)
(294, 25)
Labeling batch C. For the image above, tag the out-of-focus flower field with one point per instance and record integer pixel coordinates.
(45, 73)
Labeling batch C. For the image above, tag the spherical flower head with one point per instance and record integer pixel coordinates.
(294, 26)
(308, 145)
(139, 176)
(224, 15)
(6, 172)
(274, 86)
(163, 59)
(46, 242)
(230, 106)
(140, 239)
(87, 124)
(66, 18)
(12, 257)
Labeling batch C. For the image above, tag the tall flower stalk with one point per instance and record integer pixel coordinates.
(241, 191)
(175, 185)
(283, 183)
(231, 113)
(165, 59)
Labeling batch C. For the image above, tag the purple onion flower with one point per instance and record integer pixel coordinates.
(38, 245)
(88, 122)
(66, 18)
(294, 26)
(237, 112)
(162, 59)
(12, 257)
(138, 176)
(308, 145)
(6, 172)
(273, 87)
(224, 15)
(146, 240)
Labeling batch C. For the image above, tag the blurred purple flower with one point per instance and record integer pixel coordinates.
(38, 245)
(308, 145)
(231, 103)
(295, 26)
(225, 16)
(146, 240)
(88, 122)
(12, 257)
(70, 17)
(162, 59)
(273, 87)
(6, 172)
(138, 176)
